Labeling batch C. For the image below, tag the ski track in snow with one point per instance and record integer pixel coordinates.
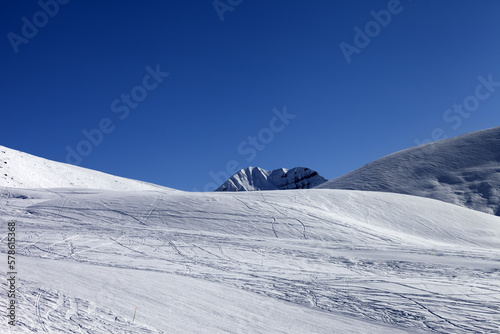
(87, 260)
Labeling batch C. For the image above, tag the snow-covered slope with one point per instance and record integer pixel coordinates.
(299, 261)
(22, 170)
(464, 170)
(255, 178)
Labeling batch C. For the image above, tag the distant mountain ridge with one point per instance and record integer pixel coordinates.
(463, 170)
(255, 178)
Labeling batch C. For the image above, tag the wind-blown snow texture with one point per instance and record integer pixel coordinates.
(464, 170)
(255, 178)
(22, 170)
(304, 261)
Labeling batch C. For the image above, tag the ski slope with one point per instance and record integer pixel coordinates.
(464, 170)
(298, 261)
(23, 170)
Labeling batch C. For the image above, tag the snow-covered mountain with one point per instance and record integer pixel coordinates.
(22, 170)
(464, 170)
(304, 261)
(255, 178)
(298, 261)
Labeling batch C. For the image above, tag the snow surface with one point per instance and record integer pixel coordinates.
(255, 178)
(300, 261)
(22, 170)
(464, 170)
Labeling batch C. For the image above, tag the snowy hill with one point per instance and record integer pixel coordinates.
(22, 170)
(298, 261)
(464, 170)
(305, 261)
(255, 178)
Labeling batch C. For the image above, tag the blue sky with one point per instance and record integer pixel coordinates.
(228, 79)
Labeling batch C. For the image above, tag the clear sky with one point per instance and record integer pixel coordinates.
(169, 91)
